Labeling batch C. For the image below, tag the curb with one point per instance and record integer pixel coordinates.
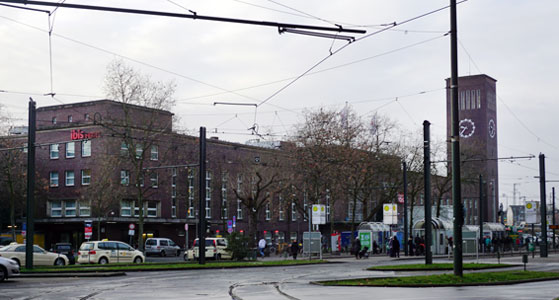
(443, 285)
(76, 274)
(435, 269)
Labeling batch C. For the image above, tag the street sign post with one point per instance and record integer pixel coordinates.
(88, 229)
(318, 214)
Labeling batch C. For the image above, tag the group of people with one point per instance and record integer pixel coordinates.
(294, 248)
(392, 248)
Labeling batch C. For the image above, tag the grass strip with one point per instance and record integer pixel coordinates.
(169, 266)
(484, 278)
(435, 267)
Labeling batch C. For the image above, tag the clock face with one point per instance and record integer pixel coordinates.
(467, 128)
(492, 128)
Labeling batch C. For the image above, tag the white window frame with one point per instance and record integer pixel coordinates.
(54, 151)
(126, 206)
(293, 211)
(190, 212)
(84, 208)
(86, 176)
(174, 192)
(69, 118)
(281, 211)
(154, 180)
(224, 211)
(125, 177)
(139, 151)
(239, 201)
(69, 178)
(152, 211)
(68, 208)
(70, 149)
(86, 148)
(268, 212)
(154, 153)
(53, 120)
(54, 181)
(123, 149)
(208, 202)
(56, 211)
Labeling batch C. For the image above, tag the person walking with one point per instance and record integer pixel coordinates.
(356, 247)
(294, 249)
(395, 247)
(261, 246)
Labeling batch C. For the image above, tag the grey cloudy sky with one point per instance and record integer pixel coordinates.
(399, 73)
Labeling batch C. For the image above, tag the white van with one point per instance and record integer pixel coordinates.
(104, 252)
(215, 248)
(162, 247)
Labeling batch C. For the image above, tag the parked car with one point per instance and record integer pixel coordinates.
(8, 268)
(215, 248)
(162, 247)
(66, 249)
(104, 252)
(41, 257)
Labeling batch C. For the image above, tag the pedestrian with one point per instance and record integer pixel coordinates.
(261, 246)
(356, 247)
(375, 247)
(294, 249)
(396, 247)
(410, 246)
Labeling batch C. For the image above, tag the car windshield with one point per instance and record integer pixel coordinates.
(86, 246)
(63, 247)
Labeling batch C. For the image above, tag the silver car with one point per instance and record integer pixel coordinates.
(8, 268)
(162, 247)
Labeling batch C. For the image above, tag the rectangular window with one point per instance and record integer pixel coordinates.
(124, 177)
(85, 210)
(478, 96)
(281, 208)
(462, 100)
(86, 177)
(293, 212)
(224, 214)
(190, 211)
(53, 179)
(208, 195)
(154, 179)
(468, 99)
(327, 205)
(139, 151)
(305, 204)
(126, 208)
(154, 153)
(70, 119)
(123, 149)
(56, 209)
(268, 212)
(86, 148)
(53, 120)
(152, 209)
(70, 208)
(69, 176)
(86, 117)
(239, 202)
(174, 192)
(70, 150)
(53, 151)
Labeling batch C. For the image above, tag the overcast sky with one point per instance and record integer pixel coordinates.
(399, 73)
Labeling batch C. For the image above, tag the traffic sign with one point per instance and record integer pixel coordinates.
(131, 226)
(88, 229)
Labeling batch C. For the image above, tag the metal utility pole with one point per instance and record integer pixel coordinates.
(543, 243)
(405, 240)
(427, 191)
(455, 144)
(553, 216)
(202, 199)
(30, 187)
(480, 211)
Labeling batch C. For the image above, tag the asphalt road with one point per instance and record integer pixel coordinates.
(267, 283)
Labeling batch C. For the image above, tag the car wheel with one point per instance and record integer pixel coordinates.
(17, 262)
(163, 253)
(138, 260)
(59, 262)
(3, 274)
(178, 253)
(185, 257)
(103, 261)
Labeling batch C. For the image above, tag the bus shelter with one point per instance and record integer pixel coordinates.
(441, 231)
(369, 232)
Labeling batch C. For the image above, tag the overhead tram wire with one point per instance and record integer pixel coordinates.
(395, 24)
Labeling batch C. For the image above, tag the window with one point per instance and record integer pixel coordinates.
(123, 149)
(224, 214)
(85, 210)
(153, 179)
(327, 205)
(154, 154)
(293, 211)
(86, 177)
(305, 204)
(86, 148)
(70, 208)
(54, 151)
(126, 208)
(53, 179)
(281, 216)
(239, 189)
(468, 99)
(25, 147)
(70, 119)
(86, 117)
(190, 211)
(462, 100)
(174, 193)
(124, 177)
(139, 151)
(268, 212)
(208, 195)
(69, 176)
(53, 120)
(70, 150)
(56, 209)
(478, 96)
(152, 209)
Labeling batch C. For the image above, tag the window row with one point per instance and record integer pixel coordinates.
(151, 208)
(470, 99)
(68, 208)
(69, 178)
(139, 151)
(54, 120)
(54, 149)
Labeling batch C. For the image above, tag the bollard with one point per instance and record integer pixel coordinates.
(524, 260)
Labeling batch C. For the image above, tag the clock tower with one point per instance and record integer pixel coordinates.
(477, 110)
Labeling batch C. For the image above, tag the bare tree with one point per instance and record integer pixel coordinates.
(139, 130)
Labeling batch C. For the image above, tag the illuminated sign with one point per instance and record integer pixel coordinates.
(78, 134)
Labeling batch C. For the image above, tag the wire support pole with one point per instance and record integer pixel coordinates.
(194, 16)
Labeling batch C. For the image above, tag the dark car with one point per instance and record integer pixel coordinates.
(66, 249)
